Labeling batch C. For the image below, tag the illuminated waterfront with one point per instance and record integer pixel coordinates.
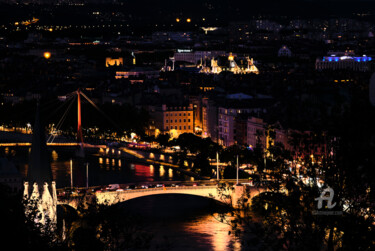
(102, 170)
(175, 221)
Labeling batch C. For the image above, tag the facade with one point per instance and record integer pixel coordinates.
(137, 72)
(227, 125)
(175, 120)
(231, 64)
(209, 119)
(196, 56)
(256, 132)
(114, 62)
(344, 61)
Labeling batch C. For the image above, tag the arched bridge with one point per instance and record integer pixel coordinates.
(225, 196)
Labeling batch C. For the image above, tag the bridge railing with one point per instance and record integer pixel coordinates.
(162, 188)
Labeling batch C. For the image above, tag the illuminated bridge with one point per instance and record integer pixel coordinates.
(210, 191)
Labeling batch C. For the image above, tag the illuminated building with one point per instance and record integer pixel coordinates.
(114, 62)
(175, 120)
(229, 64)
(138, 72)
(195, 57)
(255, 131)
(344, 61)
(227, 124)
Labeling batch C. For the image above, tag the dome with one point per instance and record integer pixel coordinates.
(284, 52)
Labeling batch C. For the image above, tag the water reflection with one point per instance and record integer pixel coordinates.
(55, 156)
(161, 171)
(183, 222)
(103, 170)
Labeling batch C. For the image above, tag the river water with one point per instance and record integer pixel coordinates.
(177, 222)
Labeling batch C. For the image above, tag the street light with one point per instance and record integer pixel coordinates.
(47, 55)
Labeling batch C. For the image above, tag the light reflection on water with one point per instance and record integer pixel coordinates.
(179, 222)
(183, 222)
(102, 170)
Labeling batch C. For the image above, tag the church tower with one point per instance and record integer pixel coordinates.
(39, 184)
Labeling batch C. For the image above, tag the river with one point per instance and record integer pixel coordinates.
(177, 222)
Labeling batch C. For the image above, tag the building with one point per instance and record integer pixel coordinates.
(174, 120)
(196, 56)
(284, 52)
(110, 62)
(231, 64)
(137, 72)
(209, 119)
(344, 61)
(256, 128)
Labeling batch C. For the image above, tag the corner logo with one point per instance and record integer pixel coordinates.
(328, 198)
(326, 195)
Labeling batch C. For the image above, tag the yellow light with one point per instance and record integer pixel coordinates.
(50, 29)
(16, 23)
(177, 20)
(188, 20)
(47, 55)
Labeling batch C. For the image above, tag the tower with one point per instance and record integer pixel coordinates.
(39, 185)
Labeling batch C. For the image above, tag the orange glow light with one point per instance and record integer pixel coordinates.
(188, 20)
(47, 55)
(177, 20)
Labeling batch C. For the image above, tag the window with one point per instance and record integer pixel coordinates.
(175, 120)
(179, 114)
(166, 121)
(184, 120)
(180, 127)
(188, 120)
(175, 127)
(166, 114)
(189, 127)
(180, 120)
(184, 127)
(184, 114)
(166, 128)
